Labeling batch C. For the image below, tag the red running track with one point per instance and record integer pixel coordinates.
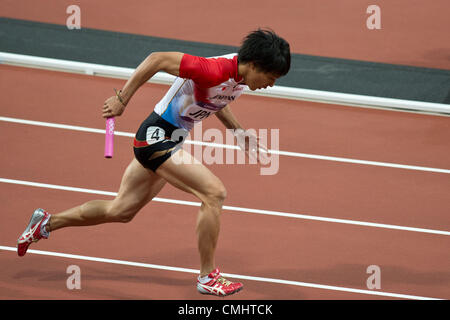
(413, 32)
(324, 253)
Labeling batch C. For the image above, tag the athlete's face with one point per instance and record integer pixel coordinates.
(256, 79)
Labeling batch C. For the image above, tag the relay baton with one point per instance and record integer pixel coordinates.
(109, 137)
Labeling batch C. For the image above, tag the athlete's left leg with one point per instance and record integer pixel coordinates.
(138, 186)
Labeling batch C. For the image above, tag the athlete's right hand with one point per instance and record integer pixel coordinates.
(112, 107)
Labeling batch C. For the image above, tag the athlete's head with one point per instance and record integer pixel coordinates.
(266, 57)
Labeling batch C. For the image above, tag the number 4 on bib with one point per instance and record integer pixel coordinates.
(155, 134)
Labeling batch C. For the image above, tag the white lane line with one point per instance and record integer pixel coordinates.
(236, 276)
(231, 208)
(274, 92)
(217, 145)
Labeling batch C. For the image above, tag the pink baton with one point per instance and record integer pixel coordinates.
(109, 137)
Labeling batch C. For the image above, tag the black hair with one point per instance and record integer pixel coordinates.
(267, 51)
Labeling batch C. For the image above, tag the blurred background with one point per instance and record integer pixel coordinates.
(407, 57)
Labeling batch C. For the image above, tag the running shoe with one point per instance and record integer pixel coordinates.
(33, 231)
(218, 285)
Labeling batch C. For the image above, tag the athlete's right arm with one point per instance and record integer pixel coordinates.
(157, 61)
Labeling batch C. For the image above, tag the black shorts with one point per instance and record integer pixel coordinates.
(156, 140)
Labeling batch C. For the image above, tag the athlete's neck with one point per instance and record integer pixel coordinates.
(242, 72)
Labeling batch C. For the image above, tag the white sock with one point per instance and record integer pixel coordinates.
(204, 279)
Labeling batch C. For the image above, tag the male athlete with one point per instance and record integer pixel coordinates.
(204, 86)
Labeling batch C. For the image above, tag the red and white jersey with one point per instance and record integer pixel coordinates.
(204, 86)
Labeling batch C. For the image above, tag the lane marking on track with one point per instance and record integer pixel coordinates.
(236, 276)
(224, 146)
(277, 92)
(232, 208)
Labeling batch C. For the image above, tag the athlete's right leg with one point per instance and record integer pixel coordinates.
(139, 185)
(191, 176)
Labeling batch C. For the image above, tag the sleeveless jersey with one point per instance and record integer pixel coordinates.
(204, 86)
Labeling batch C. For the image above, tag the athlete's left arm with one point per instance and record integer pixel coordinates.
(247, 141)
(228, 119)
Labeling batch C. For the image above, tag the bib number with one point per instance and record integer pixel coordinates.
(155, 134)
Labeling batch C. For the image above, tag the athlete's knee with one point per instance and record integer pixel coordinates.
(216, 194)
(124, 216)
(120, 213)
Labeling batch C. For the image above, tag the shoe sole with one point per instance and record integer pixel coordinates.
(203, 291)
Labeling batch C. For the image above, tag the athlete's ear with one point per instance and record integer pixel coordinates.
(252, 66)
(255, 68)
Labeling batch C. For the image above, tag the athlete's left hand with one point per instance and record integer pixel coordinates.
(251, 145)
